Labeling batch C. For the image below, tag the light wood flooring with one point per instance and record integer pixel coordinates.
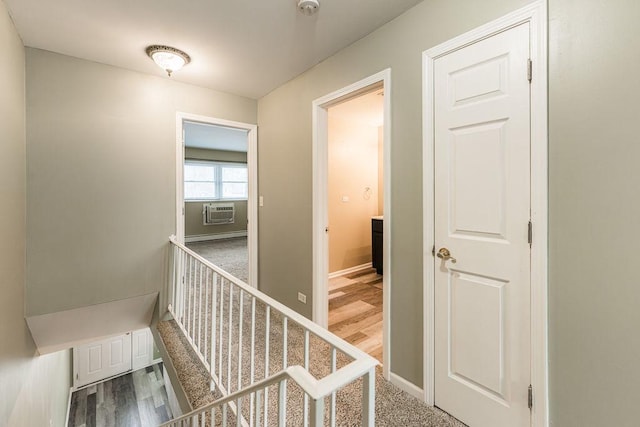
(138, 399)
(355, 310)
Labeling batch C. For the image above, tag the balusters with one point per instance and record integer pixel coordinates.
(214, 310)
(285, 364)
(206, 313)
(305, 409)
(258, 406)
(333, 395)
(230, 336)
(195, 283)
(267, 342)
(240, 323)
(239, 412)
(282, 402)
(200, 283)
(224, 415)
(188, 284)
(220, 336)
(252, 373)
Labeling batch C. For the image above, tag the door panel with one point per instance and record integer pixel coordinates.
(95, 359)
(478, 207)
(102, 359)
(477, 348)
(482, 208)
(142, 353)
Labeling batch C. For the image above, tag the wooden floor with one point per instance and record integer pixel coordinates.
(355, 310)
(138, 399)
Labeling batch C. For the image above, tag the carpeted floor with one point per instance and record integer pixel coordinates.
(393, 406)
(229, 254)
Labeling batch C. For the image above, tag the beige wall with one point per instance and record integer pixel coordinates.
(594, 177)
(284, 118)
(101, 177)
(33, 389)
(193, 220)
(352, 166)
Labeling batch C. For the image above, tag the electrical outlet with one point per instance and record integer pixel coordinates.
(302, 298)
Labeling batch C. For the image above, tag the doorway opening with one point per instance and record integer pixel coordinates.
(351, 288)
(216, 192)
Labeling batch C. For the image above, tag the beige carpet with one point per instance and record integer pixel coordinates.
(393, 406)
(231, 255)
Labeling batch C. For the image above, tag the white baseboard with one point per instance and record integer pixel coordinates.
(407, 386)
(349, 270)
(206, 237)
(69, 406)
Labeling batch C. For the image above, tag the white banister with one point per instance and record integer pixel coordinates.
(215, 310)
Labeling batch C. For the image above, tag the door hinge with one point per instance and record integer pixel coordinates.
(529, 70)
(530, 233)
(433, 250)
(77, 377)
(530, 397)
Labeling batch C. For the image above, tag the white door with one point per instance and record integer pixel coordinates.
(142, 351)
(102, 359)
(482, 211)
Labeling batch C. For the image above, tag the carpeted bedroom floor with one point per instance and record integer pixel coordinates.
(229, 254)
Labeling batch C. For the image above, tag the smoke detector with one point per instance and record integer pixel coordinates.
(308, 7)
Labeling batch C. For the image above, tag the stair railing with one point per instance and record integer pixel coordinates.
(252, 346)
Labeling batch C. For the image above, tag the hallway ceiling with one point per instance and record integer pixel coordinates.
(244, 47)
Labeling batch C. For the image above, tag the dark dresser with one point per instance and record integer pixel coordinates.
(376, 243)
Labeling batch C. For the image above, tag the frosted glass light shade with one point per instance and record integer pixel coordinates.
(168, 58)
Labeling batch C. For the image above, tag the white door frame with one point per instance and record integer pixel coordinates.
(320, 203)
(536, 14)
(252, 165)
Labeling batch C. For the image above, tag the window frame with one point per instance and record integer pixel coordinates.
(218, 182)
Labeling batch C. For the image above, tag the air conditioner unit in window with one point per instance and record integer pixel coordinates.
(218, 213)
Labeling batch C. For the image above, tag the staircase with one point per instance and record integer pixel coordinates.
(266, 364)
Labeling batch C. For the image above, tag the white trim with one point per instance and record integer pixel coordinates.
(536, 14)
(207, 237)
(252, 165)
(350, 270)
(406, 386)
(69, 405)
(320, 203)
(428, 214)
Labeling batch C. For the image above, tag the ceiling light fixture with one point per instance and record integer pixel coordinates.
(308, 7)
(168, 58)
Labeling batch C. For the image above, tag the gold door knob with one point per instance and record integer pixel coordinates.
(445, 255)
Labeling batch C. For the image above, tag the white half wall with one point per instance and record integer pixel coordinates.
(66, 329)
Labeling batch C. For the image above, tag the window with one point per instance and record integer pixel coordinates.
(215, 180)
